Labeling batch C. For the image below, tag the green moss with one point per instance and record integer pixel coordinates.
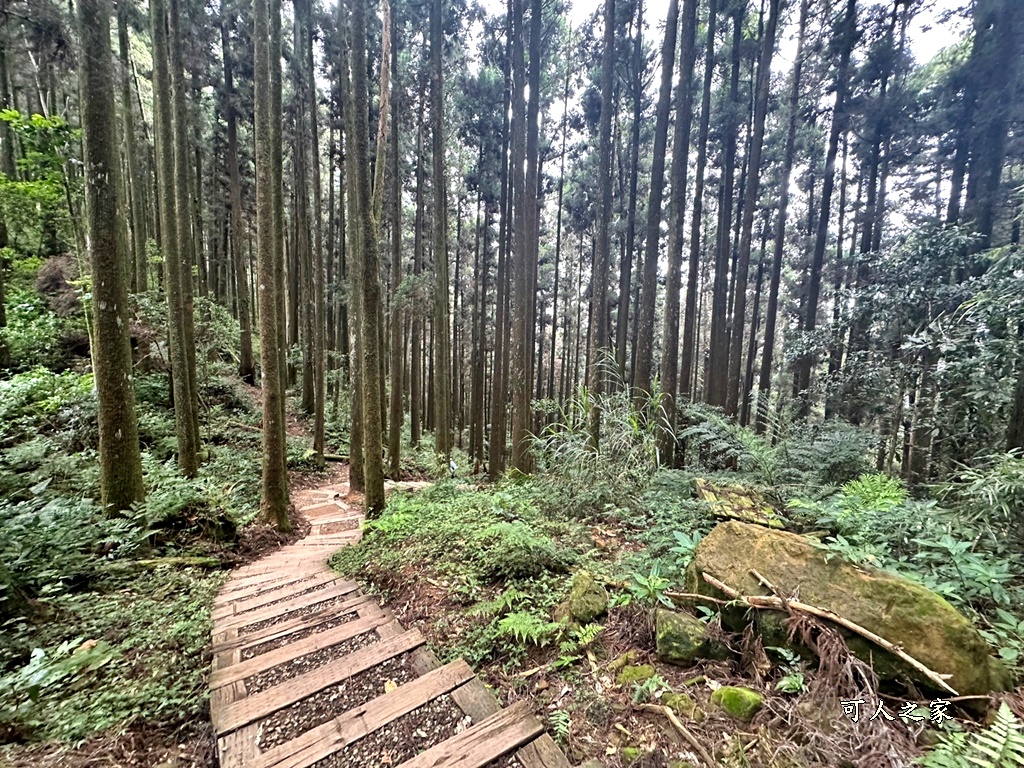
(740, 703)
(681, 703)
(637, 674)
(587, 599)
(681, 638)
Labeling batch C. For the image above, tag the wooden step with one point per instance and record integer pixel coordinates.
(271, 595)
(267, 702)
(288, 606)
(326, 739)
(488, 740)
(364, 605)
(243, 669)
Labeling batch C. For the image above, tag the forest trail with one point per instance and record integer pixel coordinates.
(308, 671)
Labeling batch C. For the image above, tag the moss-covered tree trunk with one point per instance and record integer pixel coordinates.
(188, 450)
(274, 503)
(120, 461)
(246, 364)
(137, 213)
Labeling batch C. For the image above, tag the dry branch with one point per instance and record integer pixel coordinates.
(686, 733)
(786, 605)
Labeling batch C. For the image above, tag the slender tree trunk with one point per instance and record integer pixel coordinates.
(599, 275)
(373, 467)
(397, 316)
(274, 499)
(718, 364)
(626, 260)
(416, 383)
(688, 360)
(750, 195)
(676, 231)
(246, 365)
(120, 460)
(136, 212)
(188, 457)
(442, 329)
(789, 155)
(649, 285)
(806, 363)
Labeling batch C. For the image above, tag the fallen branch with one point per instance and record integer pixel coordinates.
(785, 605)
(680, 596)
(335, 457)
(683, 730)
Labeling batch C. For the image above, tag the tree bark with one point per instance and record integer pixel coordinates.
(120, 460)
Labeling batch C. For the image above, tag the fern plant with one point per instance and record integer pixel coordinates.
(1001, 745)
(528, 628)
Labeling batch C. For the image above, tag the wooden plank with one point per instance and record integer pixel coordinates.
(243, 669)
(251, 590)
(238, 749)
(288, 606)
(239, 582)
(542, 752)
(260, 599)
(321, 506)
(488, 740)
(222, 698)
(362, 604)
(326, 739)
(253, 708)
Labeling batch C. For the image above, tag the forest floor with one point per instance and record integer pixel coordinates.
(482, 572)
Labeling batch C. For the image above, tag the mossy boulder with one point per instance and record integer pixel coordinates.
(587, 600)
(924, 624)
(681, 638)
(635, 674)
(737, 702)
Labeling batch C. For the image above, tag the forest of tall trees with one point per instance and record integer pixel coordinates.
(460, 220)
(633, 295)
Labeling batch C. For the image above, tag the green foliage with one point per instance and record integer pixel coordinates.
(650, 589)
(992, 492)
(528, 628)
(686, 547)
(861, 505)
(588, 479)
(34, 333)
(560, 723)
(1000, 745)
(143, 658)
(40, 401)
(511, 550)
(651, 689)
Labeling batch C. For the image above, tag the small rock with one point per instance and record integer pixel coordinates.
(741, 703)
(680, 703)
(637, 674)
(587, 600)
(627, 658)
(631, 754)
(681, 638)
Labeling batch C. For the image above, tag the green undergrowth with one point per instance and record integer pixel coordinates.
(129, 649)
(501, 559)
(103, 624)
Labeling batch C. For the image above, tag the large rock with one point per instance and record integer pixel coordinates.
(906, 614)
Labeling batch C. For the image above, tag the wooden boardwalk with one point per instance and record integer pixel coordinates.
(310, 673)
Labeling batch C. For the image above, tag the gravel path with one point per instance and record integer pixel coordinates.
(403, 738)
(294, 637)
(297, 613)
(287, 723)
(268, 678)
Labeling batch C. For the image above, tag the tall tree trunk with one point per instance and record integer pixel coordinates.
(649, 285)
(688, 360)
(599, 274)
(188, 456)
(416, 379)
(718, 363)
(848, 33)
(120, 460)
(626, 260)
(750, 195)
(496, 447)
(442, 328)
(274, 498)
(184, 211)
(789, 155)
(397, 316)
(246, 364)
(137, 214)
(676, 228)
